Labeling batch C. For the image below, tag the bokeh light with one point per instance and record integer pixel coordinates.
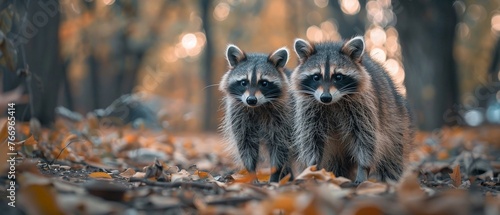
(314, 34)
(108, 2)
(321, 3)
(463, 30)
(378, 36)
(378, 54)
(392, 66)
(495, 23)
(476, 12)
(189, 41)
(221, 11)
(350, 7)
(474, 117)
(168, 55)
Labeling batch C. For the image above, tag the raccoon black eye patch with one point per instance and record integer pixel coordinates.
(237, 88)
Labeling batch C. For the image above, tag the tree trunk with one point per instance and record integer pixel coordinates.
(426, 33)
(37, 41)
(209, 115)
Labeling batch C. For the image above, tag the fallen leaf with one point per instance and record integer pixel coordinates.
(285, 179)
(371, 188)
(340, 180)
(128, 173)
(312, 173)
(203, 174)
(39, 199)
(244, 178)
(30, 141)
(181, 175)
(408, 191)
(100, 175)
(3, 132)
(139, 175)
(371, 209)
(456, 176)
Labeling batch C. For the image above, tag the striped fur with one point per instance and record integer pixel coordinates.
(348, 112)
(267, 121)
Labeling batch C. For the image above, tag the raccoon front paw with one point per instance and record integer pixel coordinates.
(358, 182)
(362, 175)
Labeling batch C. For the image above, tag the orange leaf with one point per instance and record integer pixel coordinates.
(30, 141)
(3, 132)
(99, 175)
(39, 199)
(131, 138)
(442, 155)
(456, 176)
(368, 209)
(247, 178)
(285, 179)
(264, 175)
(202, 174)
(313, 173)
(68, 139)
(128, 173)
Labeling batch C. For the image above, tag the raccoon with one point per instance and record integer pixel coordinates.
(257, 109)
(348, 112)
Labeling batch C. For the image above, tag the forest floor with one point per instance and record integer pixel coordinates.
(83, 168)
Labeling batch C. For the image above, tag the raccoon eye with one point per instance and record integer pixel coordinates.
(338, 77)
(264, 83)
(243, 83)
(316, 77)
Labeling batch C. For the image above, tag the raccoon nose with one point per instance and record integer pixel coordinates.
(326, 97)
(252, 100)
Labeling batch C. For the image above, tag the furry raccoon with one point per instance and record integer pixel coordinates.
(257, 109)
(348, 112)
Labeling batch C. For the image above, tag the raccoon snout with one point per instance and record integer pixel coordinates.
(252, 100)
(326, 97)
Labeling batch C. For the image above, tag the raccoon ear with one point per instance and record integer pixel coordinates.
(234, 55)
(354, 48)
(279, 58)
(303, 49)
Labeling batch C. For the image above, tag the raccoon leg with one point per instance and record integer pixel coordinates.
(309, 146)
(391, 165)
(364, 150)
(278, 153)
(248, 147)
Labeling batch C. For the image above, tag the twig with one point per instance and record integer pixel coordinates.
(175, 184)
(234, 200)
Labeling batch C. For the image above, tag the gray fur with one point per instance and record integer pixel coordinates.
(369, 128)
(245, 128)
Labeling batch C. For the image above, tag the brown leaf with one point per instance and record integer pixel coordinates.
(371, 209)
(39, 199)
(285, 179)
(312, 173)
(30, 141)
(128, 173)
(203, 174)
(370, 188)
(3, 132)
(409, 192)
(340, 180)
(99, 175)
(244, 178)
(456, 176)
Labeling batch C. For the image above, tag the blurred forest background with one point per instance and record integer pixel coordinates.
(83, 55)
